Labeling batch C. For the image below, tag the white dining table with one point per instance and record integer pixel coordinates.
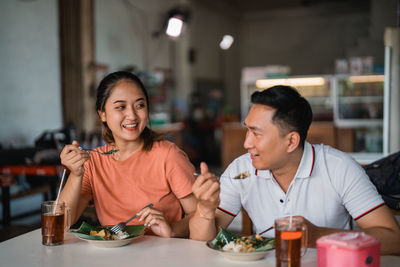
(148, 251)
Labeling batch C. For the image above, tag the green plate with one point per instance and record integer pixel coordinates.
(85, 228)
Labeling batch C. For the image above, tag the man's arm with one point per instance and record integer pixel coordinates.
(379, 223)
(382, 225)
(204, 223)
(202, 228)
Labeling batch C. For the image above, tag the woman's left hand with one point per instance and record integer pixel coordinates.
(155, 220)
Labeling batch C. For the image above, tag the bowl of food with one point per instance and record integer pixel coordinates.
(235, 247)
(101, 236)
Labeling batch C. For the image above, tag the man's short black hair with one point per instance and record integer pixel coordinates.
(293, 112)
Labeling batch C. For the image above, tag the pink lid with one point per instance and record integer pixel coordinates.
(350, 240)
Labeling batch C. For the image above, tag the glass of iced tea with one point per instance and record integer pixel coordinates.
(55, 220)
(290, 241)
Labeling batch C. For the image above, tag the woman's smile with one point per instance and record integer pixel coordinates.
(130, 127)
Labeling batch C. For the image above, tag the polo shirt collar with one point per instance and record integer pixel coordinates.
(307, 161)
(305, 167)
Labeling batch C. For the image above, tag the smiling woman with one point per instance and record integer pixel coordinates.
(145, 168)
(122, 94)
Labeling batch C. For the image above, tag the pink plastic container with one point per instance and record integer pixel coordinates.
(348, 249)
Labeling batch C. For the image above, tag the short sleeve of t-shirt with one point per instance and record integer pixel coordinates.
(357, 192)
(179, 172)
(230, 200)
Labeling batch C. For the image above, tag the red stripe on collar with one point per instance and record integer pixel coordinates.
(256, 172)
(313, 159)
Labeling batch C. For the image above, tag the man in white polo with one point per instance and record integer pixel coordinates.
(283, 174)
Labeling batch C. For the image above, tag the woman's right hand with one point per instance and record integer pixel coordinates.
(73, 158)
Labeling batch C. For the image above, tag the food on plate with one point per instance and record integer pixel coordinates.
(108, 235)
(243, 244)
(242, 175)
(231, 243)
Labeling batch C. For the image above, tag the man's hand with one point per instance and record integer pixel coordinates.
(206, 189)
(313, 233)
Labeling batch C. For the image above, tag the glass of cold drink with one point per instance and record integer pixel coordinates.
(290, 241)
(55, 220)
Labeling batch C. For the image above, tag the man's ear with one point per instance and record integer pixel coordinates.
(293, 141)
(102, 115)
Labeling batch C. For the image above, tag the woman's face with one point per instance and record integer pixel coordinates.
(126, 112)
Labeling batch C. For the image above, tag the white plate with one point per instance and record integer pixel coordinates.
(242, 256)
(109, 243)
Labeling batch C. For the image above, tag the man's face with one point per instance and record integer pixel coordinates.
(264, 142)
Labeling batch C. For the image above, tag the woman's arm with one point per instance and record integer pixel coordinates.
(73, 158)
(181, 228)
(72, 197)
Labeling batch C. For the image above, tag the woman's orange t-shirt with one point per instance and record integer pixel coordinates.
(119, 189)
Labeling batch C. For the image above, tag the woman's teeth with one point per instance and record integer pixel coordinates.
(129, 125)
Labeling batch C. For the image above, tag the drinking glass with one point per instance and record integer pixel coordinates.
(290, 241)
(56, 219)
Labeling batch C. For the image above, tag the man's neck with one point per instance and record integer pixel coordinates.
(285, 174)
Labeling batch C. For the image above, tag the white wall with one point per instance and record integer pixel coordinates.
(30, 94)
(208, 27)
(310, 39)
(124, 34)
(306, 39)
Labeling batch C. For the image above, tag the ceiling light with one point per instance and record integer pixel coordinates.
(312, 81)
(175, 25)
(226, 42)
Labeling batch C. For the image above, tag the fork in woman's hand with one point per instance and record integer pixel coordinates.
(110, 152)
(119, 227)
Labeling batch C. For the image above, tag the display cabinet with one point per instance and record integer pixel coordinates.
(358, 105)
(351, 106)
(316, 89)
(358, 100)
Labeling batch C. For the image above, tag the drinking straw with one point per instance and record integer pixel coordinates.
(290, 217)
(291, 208)
(51, 226)
(59, 190)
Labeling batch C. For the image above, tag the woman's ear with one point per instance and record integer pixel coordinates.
(102, 115)
(293, 141)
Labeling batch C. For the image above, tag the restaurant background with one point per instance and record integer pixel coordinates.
(53, 54)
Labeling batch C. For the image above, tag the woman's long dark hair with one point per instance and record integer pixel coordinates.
(103, 93)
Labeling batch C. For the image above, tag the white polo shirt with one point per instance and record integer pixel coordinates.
(329, 189)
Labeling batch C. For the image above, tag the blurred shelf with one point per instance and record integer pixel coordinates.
(360, 99)
(359, 123)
